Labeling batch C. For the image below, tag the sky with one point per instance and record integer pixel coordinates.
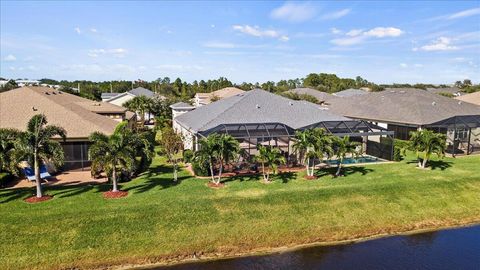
(382, 41)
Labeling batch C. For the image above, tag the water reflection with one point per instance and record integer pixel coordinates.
(447, 249)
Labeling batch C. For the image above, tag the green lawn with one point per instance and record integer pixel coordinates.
(161, 220)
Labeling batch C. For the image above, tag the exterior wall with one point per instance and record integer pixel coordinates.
(121, 100)
(187, 136)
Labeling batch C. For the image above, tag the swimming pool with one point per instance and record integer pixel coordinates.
(350, 160)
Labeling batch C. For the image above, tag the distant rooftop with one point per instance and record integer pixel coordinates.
(473, 98)
(403, 105)
(350, 92)
(319, 95)
(220, 94)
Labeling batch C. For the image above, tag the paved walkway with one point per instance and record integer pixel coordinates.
(62, 179)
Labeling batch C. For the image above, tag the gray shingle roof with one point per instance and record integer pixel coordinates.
(256, 106)
(350, 93)
(180, 105)
(321, 96)
(109, 95)
(451, 90)
(403, 105)
(140, 91)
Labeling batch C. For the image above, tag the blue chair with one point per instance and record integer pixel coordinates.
(30, 173)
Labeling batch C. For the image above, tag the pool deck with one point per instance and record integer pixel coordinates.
(69, 178)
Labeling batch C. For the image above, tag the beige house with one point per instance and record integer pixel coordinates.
(201, 99)
(78, 116)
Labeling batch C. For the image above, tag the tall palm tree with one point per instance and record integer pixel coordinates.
(8, 154)
(270, 157)
(312, 144)
(207, 153)
(428, 142)
(36, 145)
(114, 153)
(227, 150)
(341, 148)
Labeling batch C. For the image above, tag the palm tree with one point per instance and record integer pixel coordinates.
(113, 153)
(270, 157)
(172, 144)
(36, 145)
(8, 155)
(227, 150)
(342, 147)
(428, 142)
(207, 152)
(312, 144)
(140, 105)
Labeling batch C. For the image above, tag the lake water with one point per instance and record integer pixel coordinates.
(447, 249)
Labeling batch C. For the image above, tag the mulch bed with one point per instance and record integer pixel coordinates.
(213, 185)
(307, 177)
(115, 195)
(34, 199)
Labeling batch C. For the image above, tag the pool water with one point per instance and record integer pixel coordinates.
(363, 159)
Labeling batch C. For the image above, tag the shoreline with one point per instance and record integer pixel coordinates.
(294, 247)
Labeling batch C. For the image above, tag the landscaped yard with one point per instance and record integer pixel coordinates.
(162, 220)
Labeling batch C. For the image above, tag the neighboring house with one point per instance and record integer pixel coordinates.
(180, 108)
(473, 98)
(260, 117)
(22, 83)
(404, 109)
(449, 90)
(201, 99)
(78, 116)
(351, 92)
(322, 97)
(120, 98)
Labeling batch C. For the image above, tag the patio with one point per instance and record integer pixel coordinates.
(68, 178)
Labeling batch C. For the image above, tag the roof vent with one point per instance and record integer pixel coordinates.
(291, 103)
(46, 93)
(34, 109)
(392, 91)
(54, 93)
(460, 103)
(403, 92)
(434, 103)
(257, 106)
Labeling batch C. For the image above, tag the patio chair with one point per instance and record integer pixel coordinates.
(30, 173)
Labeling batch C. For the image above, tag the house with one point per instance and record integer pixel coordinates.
(407, 109)
(473, 98)
(180, 108)
(201, 99)
(351, 92)
(78, 116)
(120, 98)
(322, 97)
(260, 117)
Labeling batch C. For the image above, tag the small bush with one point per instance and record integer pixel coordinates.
(187, 156)
(5, 178)
(399, 148)
(200, 169)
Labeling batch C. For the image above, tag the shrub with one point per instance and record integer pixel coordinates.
(5, 177)
(200, 169)
(399, 148)
(187, 156)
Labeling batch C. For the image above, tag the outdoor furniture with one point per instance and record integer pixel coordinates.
(30, 173)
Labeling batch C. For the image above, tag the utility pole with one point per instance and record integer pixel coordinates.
(111, 91)
(79, 88)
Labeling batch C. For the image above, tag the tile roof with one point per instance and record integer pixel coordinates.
(221, 93)
(75, 114)
(403, 105)
(256, 106)
(473, 98)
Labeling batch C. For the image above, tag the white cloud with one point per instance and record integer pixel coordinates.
(356, 36)
(93, 30)
(257, 32)
(337, 14)
(118, 52)
(465, 13)
(294, 12)
(354, 32)
(10, 58)
(77, 29)
(335, 31)
(403, 65)
(384, 32)
(440, 44)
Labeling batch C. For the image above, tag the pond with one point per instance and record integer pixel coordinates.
(445, 249)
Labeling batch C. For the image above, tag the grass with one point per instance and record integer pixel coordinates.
(161, 220)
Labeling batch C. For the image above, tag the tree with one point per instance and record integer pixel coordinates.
(36, 145)
(8, 154)
(312, 144)
(171, 144)
(270, 157)
(342, 146)
(114, 153)
(207, 153)
(140, 105)
(428, 142)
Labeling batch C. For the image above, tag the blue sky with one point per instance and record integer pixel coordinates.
(384, 42)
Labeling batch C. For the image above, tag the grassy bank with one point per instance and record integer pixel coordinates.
(161, 220)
